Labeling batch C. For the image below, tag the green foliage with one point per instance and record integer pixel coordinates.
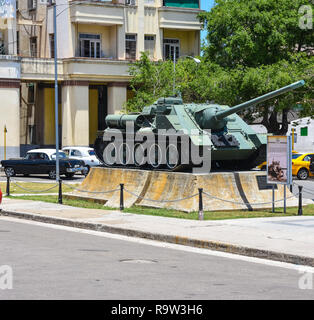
(150, 81)
(254, 33)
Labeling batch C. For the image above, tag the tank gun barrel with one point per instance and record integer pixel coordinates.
(222, 114)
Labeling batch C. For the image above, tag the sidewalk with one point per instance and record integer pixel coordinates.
(288, 239)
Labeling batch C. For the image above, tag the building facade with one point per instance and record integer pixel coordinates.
(96, 41)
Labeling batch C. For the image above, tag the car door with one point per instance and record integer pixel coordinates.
(311, 163)
(29, 165)
(43, 163)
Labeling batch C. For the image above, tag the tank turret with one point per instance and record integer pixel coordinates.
(232, 142)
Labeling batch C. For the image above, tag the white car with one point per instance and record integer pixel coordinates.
(86, 154)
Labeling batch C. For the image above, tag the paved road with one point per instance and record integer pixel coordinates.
(53, 263)
(308, 188)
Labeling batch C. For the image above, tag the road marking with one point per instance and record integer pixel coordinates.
(166, 245)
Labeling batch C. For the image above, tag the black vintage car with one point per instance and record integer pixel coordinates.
(42, 161)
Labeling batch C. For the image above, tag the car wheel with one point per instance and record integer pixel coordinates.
(69, 175)
(9, 172)
(303, 174)
(52, 174)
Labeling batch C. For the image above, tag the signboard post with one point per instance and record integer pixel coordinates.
(279, 163)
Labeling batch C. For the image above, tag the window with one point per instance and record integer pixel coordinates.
(171, 46)
(31, 4)
(43, 156)
(61, 155)
(90, 45)
(52, 45)
(17, 42)
(75, 153)
(130, 2)
(91, 152)
(31, 93)
(308, 157)
(130, 46)
(33, 46)
(182, 3)
(149, 45)
(304, 132)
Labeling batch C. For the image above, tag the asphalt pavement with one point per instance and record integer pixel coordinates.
(52, 263)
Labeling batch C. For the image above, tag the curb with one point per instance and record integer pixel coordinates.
(212, 245)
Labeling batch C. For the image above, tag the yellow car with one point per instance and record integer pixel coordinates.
(263, 165)
(300, 165)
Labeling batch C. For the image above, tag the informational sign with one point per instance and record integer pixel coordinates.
(279, 160)
(7, 9)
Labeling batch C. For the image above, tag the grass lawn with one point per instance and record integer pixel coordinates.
(208, 215)
(34, 187)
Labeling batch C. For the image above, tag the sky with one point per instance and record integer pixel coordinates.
(206, 5)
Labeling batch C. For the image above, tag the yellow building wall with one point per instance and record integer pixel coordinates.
(93, 114)
(49, 116)
(187, 40)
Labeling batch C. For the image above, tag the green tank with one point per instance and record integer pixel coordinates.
(213, 128)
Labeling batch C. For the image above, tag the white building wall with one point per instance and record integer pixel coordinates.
(303, 143)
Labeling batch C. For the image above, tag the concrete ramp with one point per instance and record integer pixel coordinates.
(107, 179)
(258, 194)
(168, 186)
(173, 190)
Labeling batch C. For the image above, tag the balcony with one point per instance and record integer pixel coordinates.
(98, 12)
(10, 67)
(40, 69)
(96, 69)
(37, 69)
(179, 18)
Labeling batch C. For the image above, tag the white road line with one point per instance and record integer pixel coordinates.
(166, 245)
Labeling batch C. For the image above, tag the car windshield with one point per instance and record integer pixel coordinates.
(61, 155)
(296, 155)
(91, 152)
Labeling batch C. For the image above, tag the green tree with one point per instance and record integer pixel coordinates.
(255, 32)
(261, 46)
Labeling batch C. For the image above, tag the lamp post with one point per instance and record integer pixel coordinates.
(56, 91)
(198, 61)
(5, 142)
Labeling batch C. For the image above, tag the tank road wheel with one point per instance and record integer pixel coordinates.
(139, 155)
(124, 154)
(109, 155)
(155, 156)
(172, 157)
